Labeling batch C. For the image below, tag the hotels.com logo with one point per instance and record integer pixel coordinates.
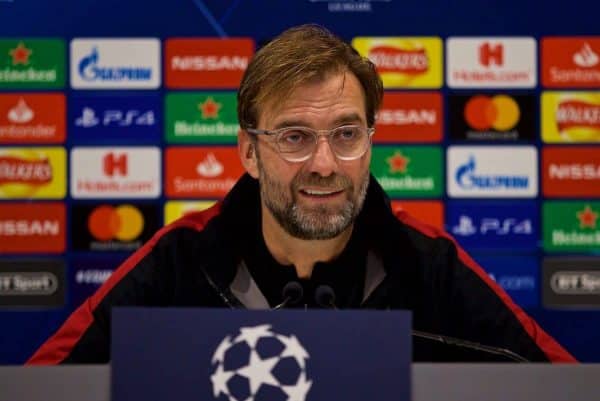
(491, 54)
(115, 164)
(119, 172)
(491, 62)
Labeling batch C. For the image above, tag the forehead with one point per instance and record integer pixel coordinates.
(319, 104)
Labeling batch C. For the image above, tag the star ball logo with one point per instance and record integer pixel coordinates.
(260, 364)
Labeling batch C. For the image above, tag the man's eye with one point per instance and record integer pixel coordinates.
(294, 137)
(347, 133)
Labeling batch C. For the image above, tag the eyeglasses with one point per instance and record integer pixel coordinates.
(297, 144)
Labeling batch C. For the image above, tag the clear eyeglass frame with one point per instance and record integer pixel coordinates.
(306, 152)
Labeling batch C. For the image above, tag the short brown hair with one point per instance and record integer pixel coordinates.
(297, 56)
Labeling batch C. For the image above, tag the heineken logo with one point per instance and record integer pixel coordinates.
(571, 226)
(209, 109)
(587, 218)
(423, 179)
(398, 163)
(202, 117)
(35, 63)
(20, 54)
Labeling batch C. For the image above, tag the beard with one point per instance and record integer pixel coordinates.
(312, 222)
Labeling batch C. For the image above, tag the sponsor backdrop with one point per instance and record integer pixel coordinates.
(117, 118)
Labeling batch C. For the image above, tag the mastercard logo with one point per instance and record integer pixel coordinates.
(498, 112)
(124, 223)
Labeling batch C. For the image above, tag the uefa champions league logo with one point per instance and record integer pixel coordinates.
(260, 365)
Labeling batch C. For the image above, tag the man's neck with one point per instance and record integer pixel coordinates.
(303, 254)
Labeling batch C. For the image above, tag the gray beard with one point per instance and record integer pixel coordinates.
(317, 223)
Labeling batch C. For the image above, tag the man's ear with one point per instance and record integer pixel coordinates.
(247, 150)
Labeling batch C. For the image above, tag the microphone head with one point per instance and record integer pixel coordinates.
(325, 297)
(292, 292)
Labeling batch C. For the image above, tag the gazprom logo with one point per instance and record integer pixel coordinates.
(90, 70)
(115, 63)
(492, 171)
(467, 178)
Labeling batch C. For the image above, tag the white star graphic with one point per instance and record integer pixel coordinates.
(219, 381)
(252, 334)
(293, 348)
(298, 391)
(219, 354)
(258, 371)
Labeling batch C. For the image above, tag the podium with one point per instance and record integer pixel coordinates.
(430, 382)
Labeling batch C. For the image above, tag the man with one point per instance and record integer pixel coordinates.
(308, 212)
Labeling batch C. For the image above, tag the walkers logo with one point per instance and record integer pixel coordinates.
(32, 283)
(571, 116)
(177, 209)
(518, 275)
(498, 225)
(573, 282)
(110, 227)
(115, 63)
(483, 172)
(32, 64)
(497, 117)
(491, 62)
(428, 212)
(571, 226)
(201, 172)
(410, 117)
(32, 173)
(408, 171)
(571, 62)
(571, 171)
(404, 62)
(202, 117)
(32, 118)
(118, 172)
(87, 274)
(32, 228)
(206, 63)
(114, 119)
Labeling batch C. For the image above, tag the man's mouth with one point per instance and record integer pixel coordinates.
(321, 192)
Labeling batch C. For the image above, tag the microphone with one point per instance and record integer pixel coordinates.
(325, 297)
(292, 293)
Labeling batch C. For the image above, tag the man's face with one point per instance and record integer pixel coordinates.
(318, 198)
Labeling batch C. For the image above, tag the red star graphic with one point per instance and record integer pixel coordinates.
(587, 217)
(209, 109)
(20, 54)
(398, 163)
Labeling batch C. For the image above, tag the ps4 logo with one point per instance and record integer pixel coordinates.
(492, 226)
(115, 118)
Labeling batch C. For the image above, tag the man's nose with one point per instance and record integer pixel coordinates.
(323, 160)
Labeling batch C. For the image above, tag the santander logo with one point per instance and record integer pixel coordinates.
(210, 167)
(586, 57)
(21, 113)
